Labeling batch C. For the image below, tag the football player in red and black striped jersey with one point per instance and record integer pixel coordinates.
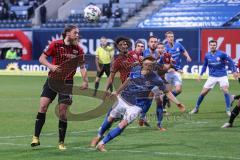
(66, 56)
(236, 109)
(123, 63)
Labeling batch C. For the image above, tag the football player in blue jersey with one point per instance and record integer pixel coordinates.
(216, 60)
(164, 63)
(139, 86)
(150, 51)
(174, 76)
(152, 46)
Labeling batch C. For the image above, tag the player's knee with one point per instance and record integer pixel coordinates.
(43, 104)
(43, 107)
(97, 79)
(204, 93)
(62, 112)
(225, 89)
(111, 119)
(123, 124)
(239, 103)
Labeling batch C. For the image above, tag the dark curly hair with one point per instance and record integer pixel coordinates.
(126, 39)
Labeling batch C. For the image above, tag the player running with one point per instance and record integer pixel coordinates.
(216, 60)
(236, 109)
(236, 97)
(132, 89)
(66, 56)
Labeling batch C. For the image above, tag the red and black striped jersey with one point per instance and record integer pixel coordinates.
(136, 55)
(123, 64)
(68, 57)
(238, 65)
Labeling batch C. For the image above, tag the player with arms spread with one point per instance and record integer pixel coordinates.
(127, 94)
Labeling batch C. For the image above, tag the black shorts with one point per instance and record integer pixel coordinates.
(104, 68)
(64, 97)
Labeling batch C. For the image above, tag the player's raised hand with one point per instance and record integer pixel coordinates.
(55, 68)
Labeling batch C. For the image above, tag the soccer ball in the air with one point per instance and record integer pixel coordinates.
(92, 13)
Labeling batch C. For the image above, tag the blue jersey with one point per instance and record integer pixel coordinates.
(147, 52)
(176, 52)
(217, 64)
(160, 60)
(140, 86)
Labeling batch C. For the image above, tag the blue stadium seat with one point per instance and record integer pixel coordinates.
(191, 14)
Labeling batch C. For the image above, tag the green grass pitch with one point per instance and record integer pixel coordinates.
(187, 138)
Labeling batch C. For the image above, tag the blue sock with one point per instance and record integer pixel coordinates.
(106, 117)
(159, 112)
(105, 125)
(145, 105)
(142, 115)
(199, 101)
(112, 134)
(227, 101)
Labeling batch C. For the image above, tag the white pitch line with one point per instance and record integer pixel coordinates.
(52, 133)
(77, 132)
(136, 151)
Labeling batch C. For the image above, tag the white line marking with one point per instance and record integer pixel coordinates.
(135, 151)
(53, 133)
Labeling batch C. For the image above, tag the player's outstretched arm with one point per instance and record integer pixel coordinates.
(204, 68)
(122, 86)
(172, 98)
(110, 81)
(185, 53)
(232, 66)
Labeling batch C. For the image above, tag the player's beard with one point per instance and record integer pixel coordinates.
(74, 41)
(123, 51)
(213, 50)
